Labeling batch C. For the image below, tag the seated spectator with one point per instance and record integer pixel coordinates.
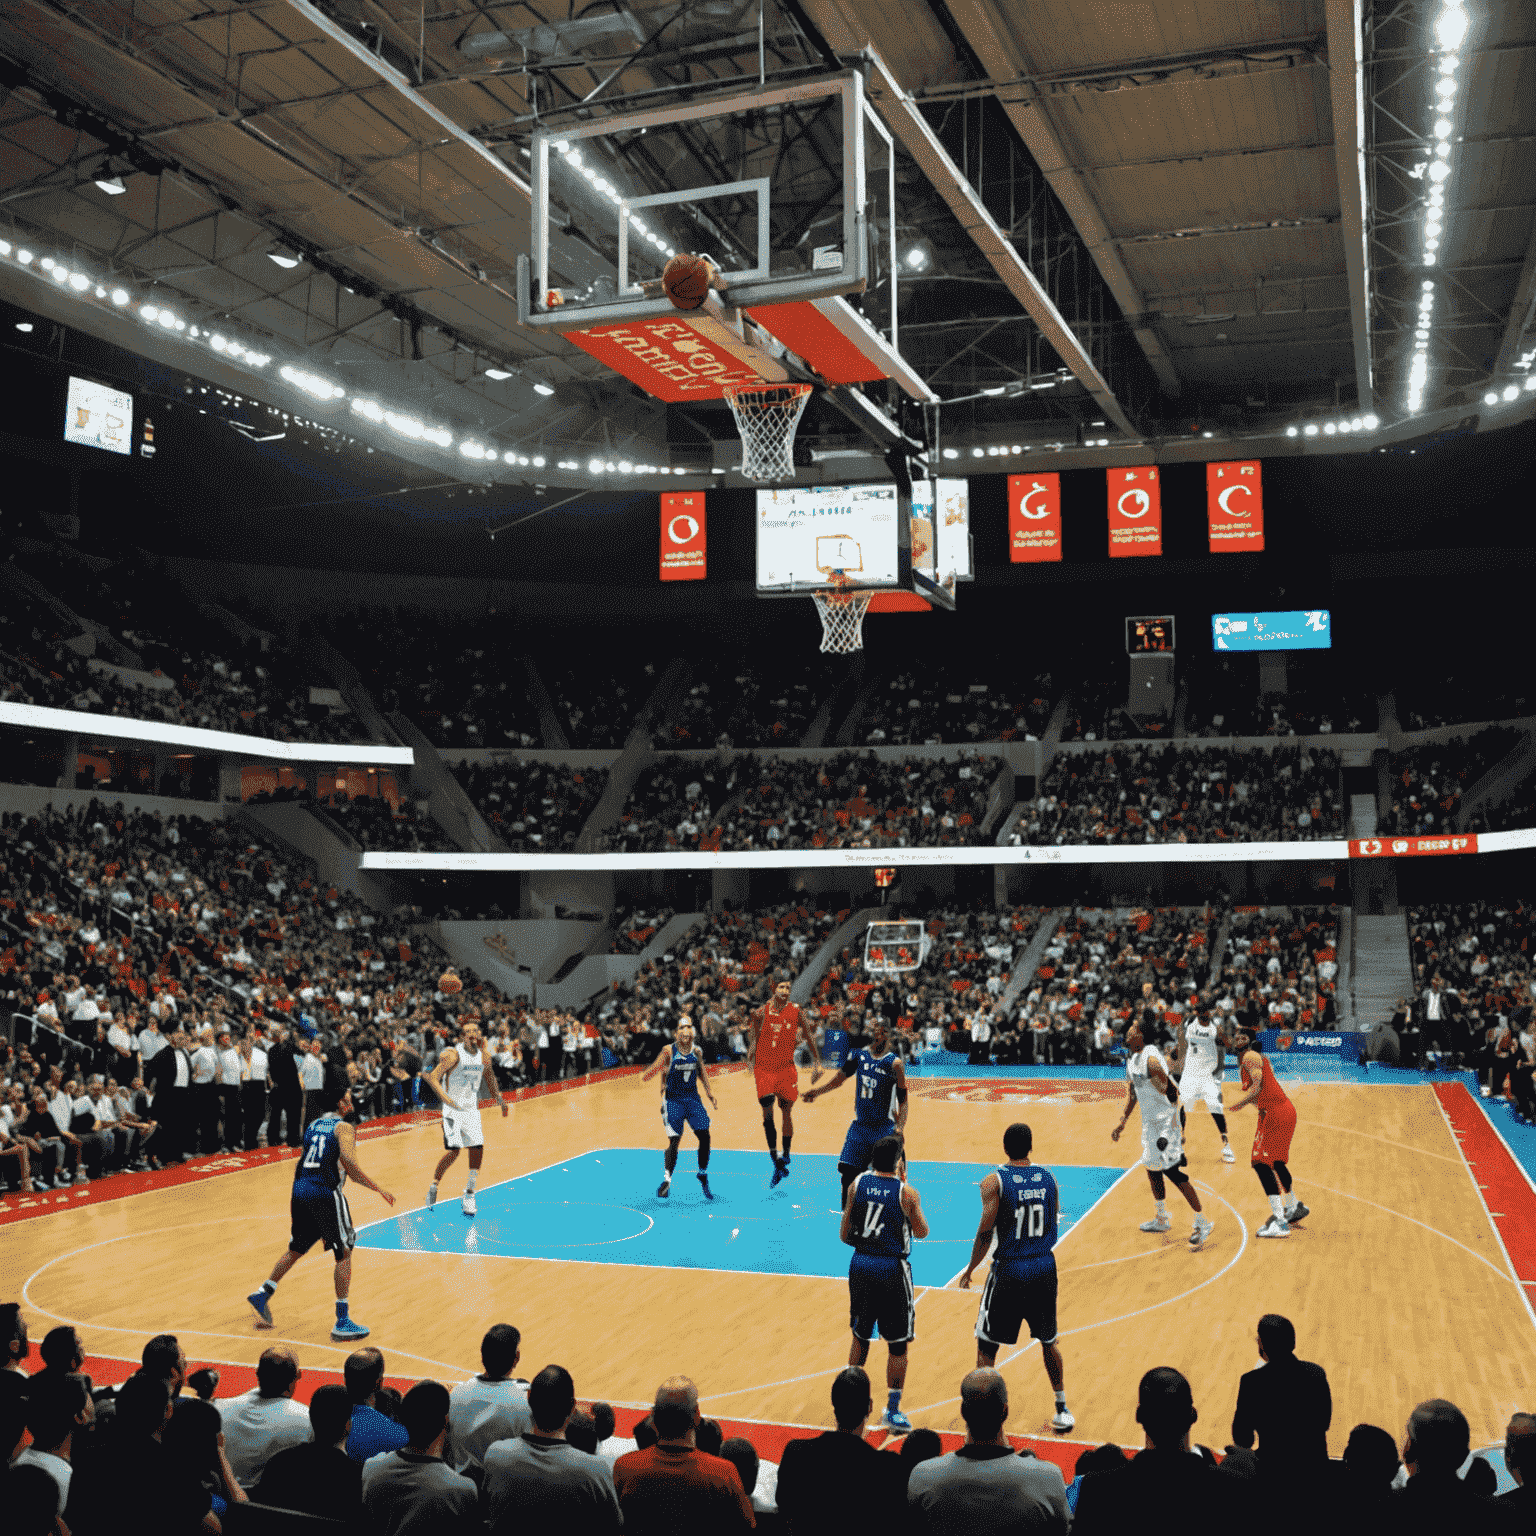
(57, 1406)
(27, 1494)
(1155, 1492)
(839, 1481)
(581, 1431)
(15, 1347)
(1435, 1500)
(265, 1420)
(984, 1487)
(194, 1443)
(163, 1359)
(1370, 1467)
(760, 1479)
(490, 1406)
(1286, 1403)
(413, 1491)
(1520, 1460)
(1098, 1458)
(672, 1486)
(538, 1480)
(372, 1432)
(317, 1478)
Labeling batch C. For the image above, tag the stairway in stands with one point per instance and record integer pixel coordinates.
(1382, 969)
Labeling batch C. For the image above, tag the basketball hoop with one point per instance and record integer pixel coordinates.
(766, 416)
(842, 611)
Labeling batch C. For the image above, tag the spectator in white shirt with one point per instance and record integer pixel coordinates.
(253, 1090)
(57, 1403)
(490, 1406)
(231, 1076)
(260, 1423)
(205, 1092)
(151, 1041)
(120, 1038)
(85, 1012)
(311, 1075)
(121, 1139)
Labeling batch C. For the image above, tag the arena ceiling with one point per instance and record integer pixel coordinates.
(1210, 211)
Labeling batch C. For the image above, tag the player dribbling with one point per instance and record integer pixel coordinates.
(683, 1075)
(776, 1030)
(457, 1080)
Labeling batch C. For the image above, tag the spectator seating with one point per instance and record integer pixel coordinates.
(1429, 780)
(950, 704)
(1280, 967)
(533, 805)
(762, 701)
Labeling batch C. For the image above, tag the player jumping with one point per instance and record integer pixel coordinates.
(319, 1209)
(457, 1079)
(1019, 1202)
(1162, 1144)
(683, 1074)
(775, 1032)
(881, 1079)
(881, 1218)
(1272, 1140)
(1201, 1055)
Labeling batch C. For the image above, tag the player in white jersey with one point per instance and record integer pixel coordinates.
(1162, 1145)
(457, 1079)
(1201, 1055)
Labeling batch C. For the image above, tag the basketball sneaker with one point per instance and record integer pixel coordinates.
(1299, 1214)
(896, 1421)
(1227, 1155)
(1157, 1224)
(1274, 1227)
(1202, 1230)
(467, 1204)
(709, 1194)
(1062, 1420)
(665, 1187)
(431, 1196)
(345, 1332)
(258, 1299)
(780, 1173)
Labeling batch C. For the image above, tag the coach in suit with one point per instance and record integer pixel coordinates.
(1286, 1403)
(282, 1063)
(839, 1482)
(170, 1076)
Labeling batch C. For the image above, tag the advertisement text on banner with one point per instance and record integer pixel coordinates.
(1412, 847)
(1034, 518)
(1234, 505)
(1135, 511)
(682, 536)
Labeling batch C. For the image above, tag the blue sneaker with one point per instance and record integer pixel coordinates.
(896, 1421)
(258, 1299)
(709, 1194)
(344, 1332)
(780, 1173)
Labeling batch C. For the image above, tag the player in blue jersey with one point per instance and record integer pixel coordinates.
(1019, 1205)
(882, 1216)
(683, 1074)
(319, 1209)
(880, 1101)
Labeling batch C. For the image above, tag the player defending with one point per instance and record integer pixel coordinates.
(881, 1079)
(457, 1079)
(1019, 1203)
(1202, 1058)
(1272, 1140)
(683, 1074)
(775, 1032)
(1162, 1144)
(319, 1210)
(881, 1218)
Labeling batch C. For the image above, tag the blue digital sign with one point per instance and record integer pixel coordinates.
(1302, 629)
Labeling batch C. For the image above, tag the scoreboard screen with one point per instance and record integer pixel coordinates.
(1299, 629)
(98, 416)
(1149, 636)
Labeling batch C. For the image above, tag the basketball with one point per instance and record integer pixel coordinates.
(449, 983)
(687, 278)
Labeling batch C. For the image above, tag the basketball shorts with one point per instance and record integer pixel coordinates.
(859, 1144)
(1008, 1302)
(680, 1112)
(880, 1299)
(462, 1128)
(1193, 1089)
(321, 1218)
(1272, 1140)
(1171, 1153)
(778, 1082)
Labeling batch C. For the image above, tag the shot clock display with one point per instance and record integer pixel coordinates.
(1149, 636)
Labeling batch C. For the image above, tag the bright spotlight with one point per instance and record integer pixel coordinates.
(1451, 27)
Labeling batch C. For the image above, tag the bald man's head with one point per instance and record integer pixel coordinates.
(984, 1404)
(277, 1372)
(676, 1409)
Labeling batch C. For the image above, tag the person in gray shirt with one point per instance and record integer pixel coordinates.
(539, 1481)
(490, 1406)
(414, 1492)
(984, 1488)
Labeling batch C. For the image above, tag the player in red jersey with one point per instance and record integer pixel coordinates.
(1272, 1140)
(777, 1029)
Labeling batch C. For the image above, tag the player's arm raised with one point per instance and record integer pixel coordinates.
(901, 1096)
(346, 1151)
(434, 1079)
(912, 1204)
(991, 1198)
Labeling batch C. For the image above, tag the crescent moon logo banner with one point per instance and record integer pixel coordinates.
(1135, 511)
(1034, 518)
(682, 536)
(1234, 504)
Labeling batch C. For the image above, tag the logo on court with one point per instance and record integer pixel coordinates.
(1038, 1091)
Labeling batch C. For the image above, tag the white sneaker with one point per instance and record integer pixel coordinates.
(1062, 1420)
(1486, 1091)
(1202, 1230)
(1227, 1155)
(1157, 1224)
(1274, 1227)
(467, 1205)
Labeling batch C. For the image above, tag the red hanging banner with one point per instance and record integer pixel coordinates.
(1135, 511)
(682, 536)
(1034, 518)
(1234, 504)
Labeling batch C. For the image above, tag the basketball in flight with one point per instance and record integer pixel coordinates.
(687, 279)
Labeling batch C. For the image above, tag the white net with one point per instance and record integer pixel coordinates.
(842, 619)
(766, 416)
(893, 947)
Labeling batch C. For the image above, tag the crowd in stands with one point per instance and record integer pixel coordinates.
(947, 705)
(1096, 712)
(1426, 698)
(634, 928)
(531, 805)
(732, 701)
(375, 823)
(1517, 809)
(1166, 794)
(597, 701)
(1280, 968)
(1224, 699)
(1428, 781)
(163, 1453)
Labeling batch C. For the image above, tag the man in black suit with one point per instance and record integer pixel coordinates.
(283, 1066)
(318, 1478)
(170, 1076)
(839, 1482)
(1166, 1486)
(1286, 1403)
(1520, 1458)
(1435, 1500)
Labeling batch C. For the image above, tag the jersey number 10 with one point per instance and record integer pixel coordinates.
(1034, 1215)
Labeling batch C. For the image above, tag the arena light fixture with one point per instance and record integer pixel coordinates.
(1311, 429)
(1290, 432)
(1451, 27)
(498, 374)
(1511, 392)
(1491, 398)
(543, 389)
(111, 185)
(283, 257)
(24, 325)
(24, 256)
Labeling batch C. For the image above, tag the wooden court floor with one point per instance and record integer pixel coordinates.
(1398, 1283)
